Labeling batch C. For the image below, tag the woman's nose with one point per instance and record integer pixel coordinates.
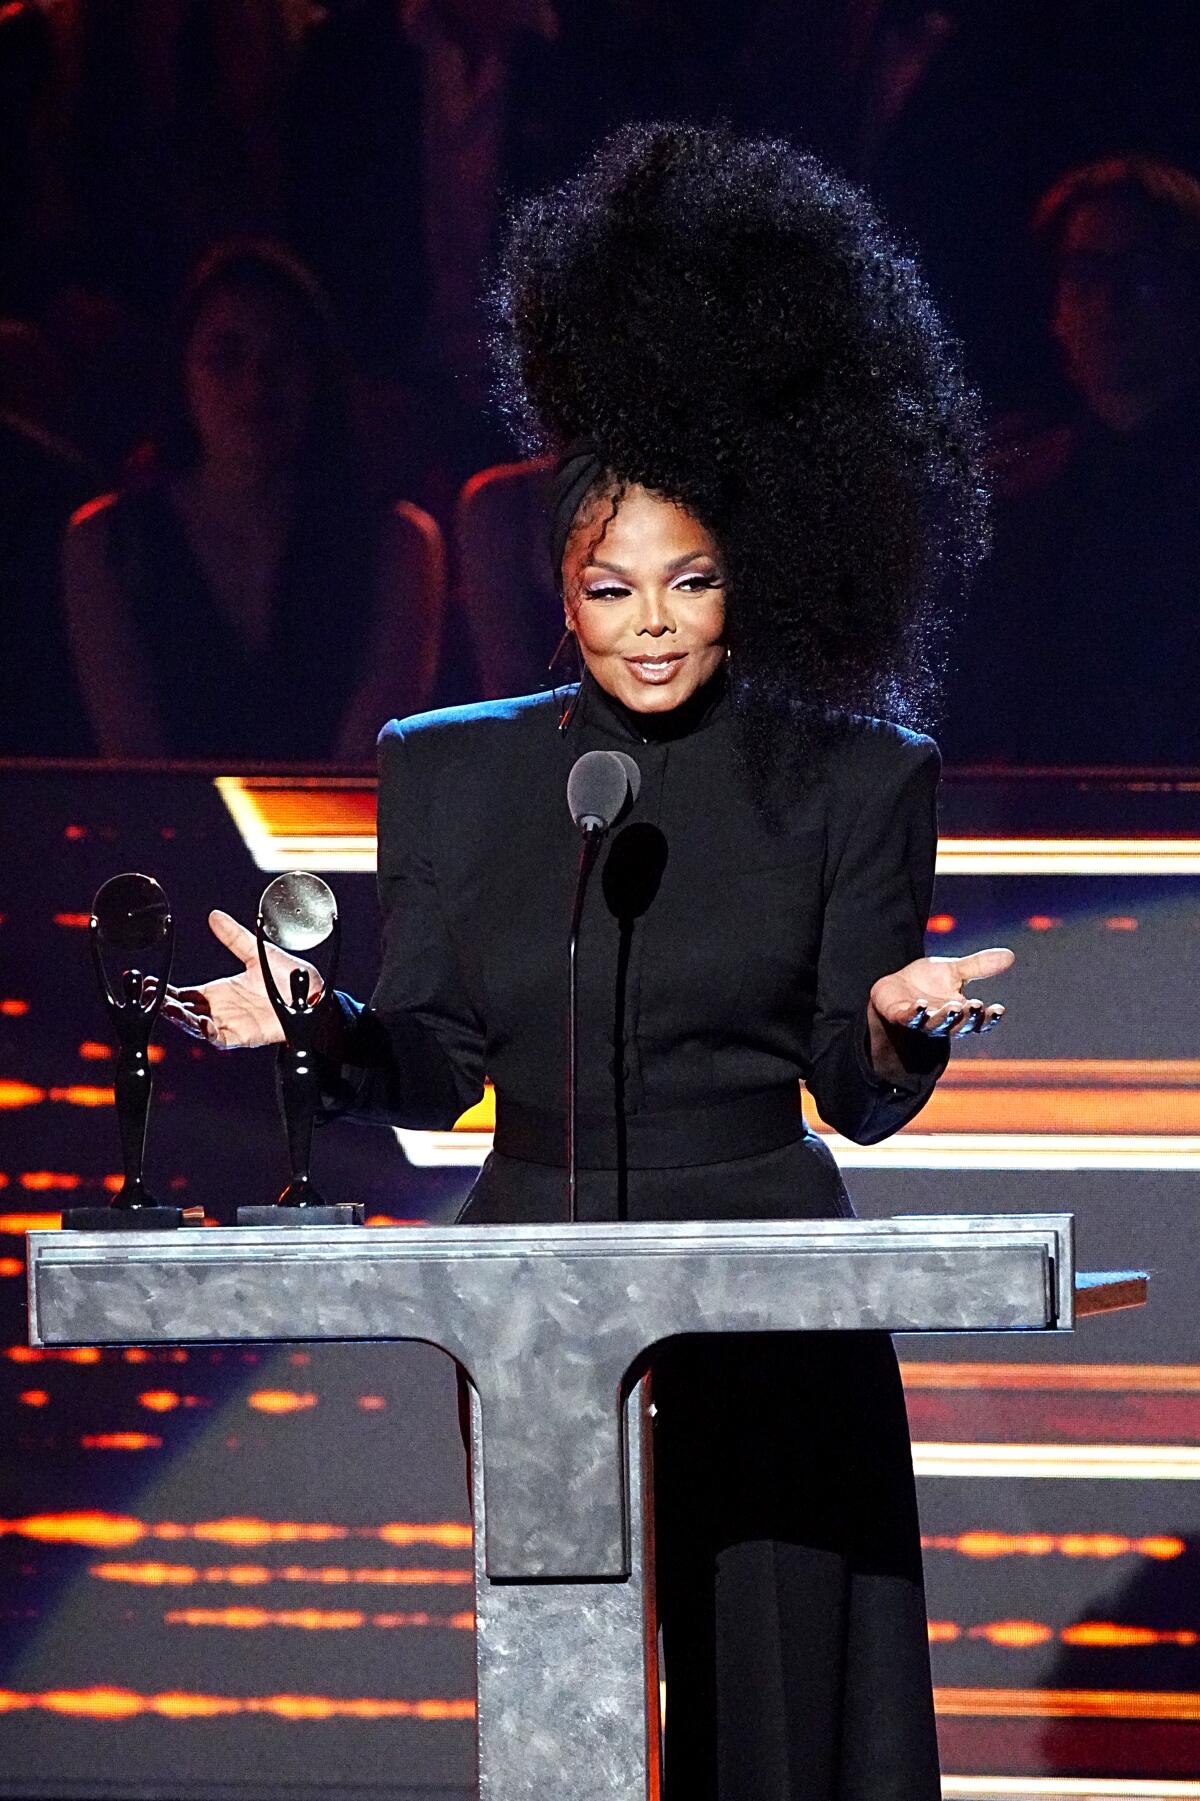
(655, 616)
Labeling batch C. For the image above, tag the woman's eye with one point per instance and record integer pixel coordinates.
(695, 584)
(606, 593)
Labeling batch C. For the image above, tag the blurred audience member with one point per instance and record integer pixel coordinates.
(507, 596)
(1085, 633)
(41, 483)
(243, 594)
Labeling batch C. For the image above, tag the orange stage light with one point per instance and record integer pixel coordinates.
(1160, 1547)
(1013, 1635)
(449, 1533)
(1117, 1378)
(1104, 1635)
(1023, 1635)
(254, 1575)
(280, 1400)
(112, 1529)
(90, 1528)
(246, 1619)
(120, 1441)
(20, 1094)
(1068, 1703)
(13, 1008)
(124, 1704)
(312, 1619)
(93, 1051)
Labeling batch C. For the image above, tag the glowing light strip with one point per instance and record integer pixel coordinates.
(113, 1530)
(1069, 856)
(910, 1150)
(1067, 1788)
(1068, 1703)
(1108, 1378)
(125, 1704)
(1059, 1462)
(353, 849)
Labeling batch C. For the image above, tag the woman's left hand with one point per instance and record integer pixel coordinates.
(930, 996)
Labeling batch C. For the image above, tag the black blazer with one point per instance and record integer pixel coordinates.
(721, 961)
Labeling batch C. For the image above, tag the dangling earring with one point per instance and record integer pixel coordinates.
(567, 713)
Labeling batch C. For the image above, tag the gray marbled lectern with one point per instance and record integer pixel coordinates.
(547, 1322)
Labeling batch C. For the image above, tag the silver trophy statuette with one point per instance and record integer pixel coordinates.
(132, 920)
(298, 914)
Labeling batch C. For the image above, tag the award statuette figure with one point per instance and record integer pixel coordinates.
(130, 914)
(298, 913)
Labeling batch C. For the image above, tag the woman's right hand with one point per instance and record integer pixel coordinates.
(235, 1012)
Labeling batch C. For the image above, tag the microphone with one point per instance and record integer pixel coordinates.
(600, 785)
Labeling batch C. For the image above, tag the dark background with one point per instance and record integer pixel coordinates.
(244, 1572)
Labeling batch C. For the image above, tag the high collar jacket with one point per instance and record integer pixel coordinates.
(721, 957)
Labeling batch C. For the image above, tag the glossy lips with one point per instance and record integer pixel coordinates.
(655, 670)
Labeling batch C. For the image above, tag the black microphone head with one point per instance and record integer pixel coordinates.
(597, 788)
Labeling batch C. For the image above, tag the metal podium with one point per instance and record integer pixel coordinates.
(547, 1323)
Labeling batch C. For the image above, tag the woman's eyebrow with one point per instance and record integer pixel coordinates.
(613, 568)
(690, 556)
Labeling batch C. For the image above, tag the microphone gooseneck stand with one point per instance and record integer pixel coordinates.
(599, 786)
(593, 833)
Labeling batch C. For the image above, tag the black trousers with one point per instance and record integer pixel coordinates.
(789, 1572)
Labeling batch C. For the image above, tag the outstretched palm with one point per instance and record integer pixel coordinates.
(929, 994)
(235, 1012)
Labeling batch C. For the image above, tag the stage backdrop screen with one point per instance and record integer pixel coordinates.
(228, 1571)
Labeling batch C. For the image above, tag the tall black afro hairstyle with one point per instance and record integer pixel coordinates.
(731, 324)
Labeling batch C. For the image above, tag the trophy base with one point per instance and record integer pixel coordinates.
(342, 1213)
(130, 1219)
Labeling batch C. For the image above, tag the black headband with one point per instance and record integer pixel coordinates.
(575, 474)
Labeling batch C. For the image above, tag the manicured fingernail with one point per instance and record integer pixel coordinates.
(952, 1018)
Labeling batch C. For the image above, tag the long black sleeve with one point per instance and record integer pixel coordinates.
(879, 889)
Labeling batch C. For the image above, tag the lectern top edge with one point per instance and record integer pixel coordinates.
(641, 1235)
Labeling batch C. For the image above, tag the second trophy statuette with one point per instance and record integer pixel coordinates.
(298, 915)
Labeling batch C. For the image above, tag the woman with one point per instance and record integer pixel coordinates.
(244, 595)
(769, 461)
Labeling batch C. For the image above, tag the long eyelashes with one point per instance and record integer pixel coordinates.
(692, 584)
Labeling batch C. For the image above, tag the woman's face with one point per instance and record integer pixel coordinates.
(645, 598)
(249, 380)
